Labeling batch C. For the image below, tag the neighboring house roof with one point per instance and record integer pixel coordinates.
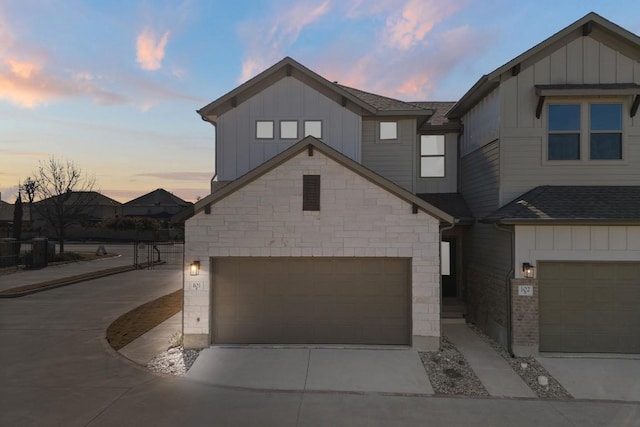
(159, 197)
(94, 198)
(290, 67)
(6, 211)
(591, 24)
(311, 143)
(452, 203)
(572, 204)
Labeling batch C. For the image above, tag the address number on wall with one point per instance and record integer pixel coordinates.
(525, 290)
(196, 286)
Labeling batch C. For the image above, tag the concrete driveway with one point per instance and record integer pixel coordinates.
(56, 369)
(318, 369)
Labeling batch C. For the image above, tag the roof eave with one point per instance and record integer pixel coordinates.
(561, 221)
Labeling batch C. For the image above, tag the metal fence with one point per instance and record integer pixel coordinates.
(151, 254)
(35, 253)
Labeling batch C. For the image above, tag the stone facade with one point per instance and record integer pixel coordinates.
(357, 218)
(525, 332)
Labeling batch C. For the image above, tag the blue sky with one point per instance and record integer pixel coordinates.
(114, 85)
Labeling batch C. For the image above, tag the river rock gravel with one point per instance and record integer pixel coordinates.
(175, 361)
(449, 372)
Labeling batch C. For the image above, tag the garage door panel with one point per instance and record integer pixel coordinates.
(589, 306)
(311, 300)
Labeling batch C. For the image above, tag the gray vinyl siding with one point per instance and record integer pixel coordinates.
(447, 184)
(481, 123)
(479, 184)
(395, 160)
(524, 137)
(238, 151)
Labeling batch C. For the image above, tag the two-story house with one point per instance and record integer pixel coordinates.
(550, 167)
(338, 216)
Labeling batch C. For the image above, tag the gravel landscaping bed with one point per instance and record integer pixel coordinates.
(450, 373)
(175, 361)
(530, 370)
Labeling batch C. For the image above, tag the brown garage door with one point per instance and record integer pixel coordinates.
(311, 300)
(589, 307)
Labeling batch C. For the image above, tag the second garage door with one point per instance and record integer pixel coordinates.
(311, 300)
(589, 307)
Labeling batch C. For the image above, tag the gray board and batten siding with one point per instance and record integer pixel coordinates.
(582, 61)
(238, 150)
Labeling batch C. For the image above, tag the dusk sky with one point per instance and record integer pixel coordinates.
(114, 85)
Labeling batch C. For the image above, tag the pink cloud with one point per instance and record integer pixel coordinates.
(150, 49)
(269, 38)
(416, 20)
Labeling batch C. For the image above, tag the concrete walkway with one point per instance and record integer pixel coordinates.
(494, 372)
(157, 340)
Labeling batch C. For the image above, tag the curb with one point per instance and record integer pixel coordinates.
(22, 291)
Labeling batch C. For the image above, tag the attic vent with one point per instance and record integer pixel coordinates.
(311, 192)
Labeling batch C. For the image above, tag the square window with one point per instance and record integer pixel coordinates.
(606, 117)
(264, 129)
(313, 128)
(564, 117)
(606, 146)
(288, 129)
(388, 130)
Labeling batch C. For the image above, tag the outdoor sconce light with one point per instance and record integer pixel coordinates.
(528, 270)
(194, 268)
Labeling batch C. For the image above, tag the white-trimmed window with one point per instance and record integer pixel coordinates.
(388, 131)
(432, 156)
(585, 130)
(313, 128)
(264, 129)
(288, 129)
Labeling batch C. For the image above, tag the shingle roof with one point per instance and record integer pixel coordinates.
(572, 204)
(451, 203)
(383, 103)
(159, 197)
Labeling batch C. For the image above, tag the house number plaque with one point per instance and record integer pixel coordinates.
(196, 286)
(525, 290)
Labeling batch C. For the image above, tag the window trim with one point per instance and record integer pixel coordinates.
(289, 121)
(443, 156)
(272, 130)
(585, 131)
(380, 138)
(304, 128)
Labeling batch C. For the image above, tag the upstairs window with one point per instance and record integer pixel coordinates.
(606, 132)
(431, 156)
(564, 132)
(288, 129)
(585, 130)
(264, 129)
(313, 128)
(388, 131)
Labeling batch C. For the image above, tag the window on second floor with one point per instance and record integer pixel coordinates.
(388, 131)
(288, 129)
(431, 156)
(585, 131)
(264, 129)
(313, 128)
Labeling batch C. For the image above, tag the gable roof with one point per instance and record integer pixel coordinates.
(572, 204)
(311, 143)
(452, 203)
(158, 197)
(361, 102)
(591, 24)
(91, 197)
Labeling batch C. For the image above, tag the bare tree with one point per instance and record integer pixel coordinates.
(65, 195)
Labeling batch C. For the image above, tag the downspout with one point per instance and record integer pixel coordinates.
(508, 285)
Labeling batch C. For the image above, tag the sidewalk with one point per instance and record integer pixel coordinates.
(494, 372)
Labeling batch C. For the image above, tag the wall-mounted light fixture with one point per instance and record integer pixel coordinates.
(528, 270)
(194, 268)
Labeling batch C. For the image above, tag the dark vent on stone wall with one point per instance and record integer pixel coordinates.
(311, 192)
